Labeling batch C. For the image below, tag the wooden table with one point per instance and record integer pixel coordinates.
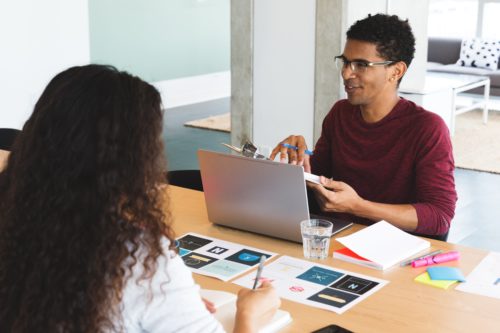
(401, 306)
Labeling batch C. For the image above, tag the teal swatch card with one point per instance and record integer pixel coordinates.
(445, 273)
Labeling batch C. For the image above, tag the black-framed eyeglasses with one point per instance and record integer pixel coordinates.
(358, 66)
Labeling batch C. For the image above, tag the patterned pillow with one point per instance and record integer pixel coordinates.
(482, 53)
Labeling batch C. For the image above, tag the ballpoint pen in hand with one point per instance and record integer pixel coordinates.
(259, 271)
(286, 145)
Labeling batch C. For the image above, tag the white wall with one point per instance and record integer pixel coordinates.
(38, 39)
(283, 81)
(417, 13)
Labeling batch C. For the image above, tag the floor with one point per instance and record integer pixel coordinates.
(182, 143)
(477, 218)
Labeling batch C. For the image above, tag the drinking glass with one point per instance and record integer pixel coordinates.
(316, 235)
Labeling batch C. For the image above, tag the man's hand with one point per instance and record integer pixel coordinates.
(336, 196)
(333, 196)
(296, 157)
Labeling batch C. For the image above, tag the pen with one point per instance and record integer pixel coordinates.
(409, 261)
(259, 271)
(286, 145)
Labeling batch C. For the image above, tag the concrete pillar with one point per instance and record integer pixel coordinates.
(330, 22)
(241, 71)
(282, 71)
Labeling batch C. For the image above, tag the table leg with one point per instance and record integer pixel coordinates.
(453, 111)
(486, 102)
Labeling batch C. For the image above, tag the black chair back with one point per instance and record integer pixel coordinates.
(185, 178)
(7, 137)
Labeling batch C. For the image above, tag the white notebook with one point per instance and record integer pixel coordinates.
(384, 244)
(225, 304)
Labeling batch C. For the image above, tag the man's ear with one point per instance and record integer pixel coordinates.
(399, 70)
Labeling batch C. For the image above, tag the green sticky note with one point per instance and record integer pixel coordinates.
(425, 279)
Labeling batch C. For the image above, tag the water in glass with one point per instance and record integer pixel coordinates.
(316, 238)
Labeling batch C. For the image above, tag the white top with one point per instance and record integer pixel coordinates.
(169, 302)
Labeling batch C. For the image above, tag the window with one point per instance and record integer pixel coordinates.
(464, 18)
(491, 22)
(452, 18)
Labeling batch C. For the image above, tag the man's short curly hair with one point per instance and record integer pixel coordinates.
(392, 36)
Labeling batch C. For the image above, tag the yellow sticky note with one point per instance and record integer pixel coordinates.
(425, 279)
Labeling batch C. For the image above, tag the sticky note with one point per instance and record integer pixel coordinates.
(445, 273)
(425, 279)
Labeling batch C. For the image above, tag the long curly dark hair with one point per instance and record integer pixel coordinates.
(78, 197)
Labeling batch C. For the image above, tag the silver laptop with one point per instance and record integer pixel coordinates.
(257, 195)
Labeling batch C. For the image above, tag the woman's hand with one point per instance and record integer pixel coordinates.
(254, 308)
(209, 305)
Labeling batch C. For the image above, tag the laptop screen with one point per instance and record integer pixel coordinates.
(257, 195)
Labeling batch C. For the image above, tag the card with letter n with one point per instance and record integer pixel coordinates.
(218, 258)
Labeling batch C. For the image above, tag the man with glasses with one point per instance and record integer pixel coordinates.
(382, 157)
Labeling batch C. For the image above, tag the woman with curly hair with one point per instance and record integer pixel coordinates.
(85, 240)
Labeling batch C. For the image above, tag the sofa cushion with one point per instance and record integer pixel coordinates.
(443, 50)
(481, 53)
(457, 69)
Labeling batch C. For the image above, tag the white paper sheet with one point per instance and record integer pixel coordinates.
(316, 285)
(485, 278)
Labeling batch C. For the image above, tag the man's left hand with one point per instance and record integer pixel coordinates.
(334, 196)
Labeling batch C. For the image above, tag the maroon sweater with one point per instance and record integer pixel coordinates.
(405, 158)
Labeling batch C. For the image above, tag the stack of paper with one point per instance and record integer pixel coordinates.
(380, 246)
(349, 256)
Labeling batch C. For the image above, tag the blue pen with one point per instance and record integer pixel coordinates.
(286, 145)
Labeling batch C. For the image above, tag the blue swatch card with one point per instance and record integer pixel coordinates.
(445, 273)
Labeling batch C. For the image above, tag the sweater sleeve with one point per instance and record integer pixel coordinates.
(435, 184)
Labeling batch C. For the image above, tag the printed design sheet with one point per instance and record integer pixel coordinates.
(217, 258)
(316, 285)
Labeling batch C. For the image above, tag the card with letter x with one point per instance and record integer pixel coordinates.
(218, 258)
